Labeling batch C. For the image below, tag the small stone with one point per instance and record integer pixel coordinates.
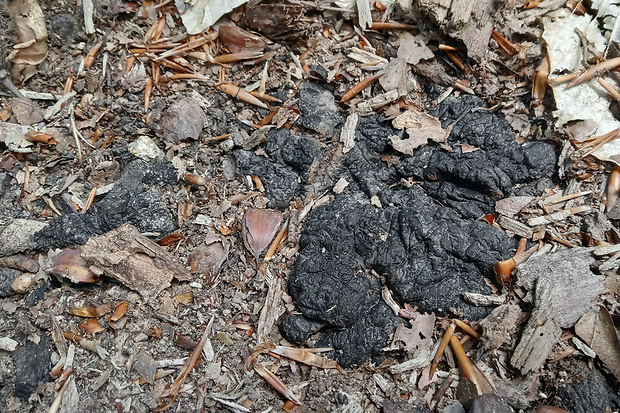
(7, 277)
(22, 283)
(17, 236)
(33, 363)
(7, 344)
(183, 120)
(144, 148)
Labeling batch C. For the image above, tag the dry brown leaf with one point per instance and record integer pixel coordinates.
(597, 329)
(29, 23)
(259, 228)
(421, 128)
(92, 312)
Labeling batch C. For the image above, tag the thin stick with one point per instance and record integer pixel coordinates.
(359, 87)
(58, 400)
(90, 200)
(596, 70)
(187, 368)
(609, 88)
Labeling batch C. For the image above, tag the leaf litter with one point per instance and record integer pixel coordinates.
(249, 101)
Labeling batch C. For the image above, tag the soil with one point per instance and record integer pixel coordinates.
(185, 172)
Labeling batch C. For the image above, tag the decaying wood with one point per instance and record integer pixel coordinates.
(468, 21)
(574, 287)
(134, 260)
(273, 308)
(540, 334)
(515, 226)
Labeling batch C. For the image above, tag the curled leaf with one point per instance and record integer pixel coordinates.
(29, 22)
(120, 311)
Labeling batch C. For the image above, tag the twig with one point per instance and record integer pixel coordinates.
(187, 368)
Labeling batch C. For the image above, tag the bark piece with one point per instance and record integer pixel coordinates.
(273, 308)
(134, 260)
(498, 326)
(468, 21)
(574, 286)
(540, 334)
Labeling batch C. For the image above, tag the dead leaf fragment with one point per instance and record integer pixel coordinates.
(145, 365)
(259, 228)
(418, 338)
(421, 128)
(29, 22)
(92, 312)
(597, 329)
(207, 258)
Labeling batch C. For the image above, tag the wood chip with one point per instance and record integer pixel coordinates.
(134, 260)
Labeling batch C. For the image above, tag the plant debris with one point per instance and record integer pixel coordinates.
(338, 205)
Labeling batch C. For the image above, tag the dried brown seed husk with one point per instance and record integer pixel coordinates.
(258, 229)
(237, 39)
(91, 326)
(120, 311)
(69, 264)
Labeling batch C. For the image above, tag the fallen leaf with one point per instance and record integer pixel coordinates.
(419, 337)
(420, 127)
(199, 15)
(93, 312)
(145, 365)
(120, 311)
(597, 329)
(91, 326)
(29, 22)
